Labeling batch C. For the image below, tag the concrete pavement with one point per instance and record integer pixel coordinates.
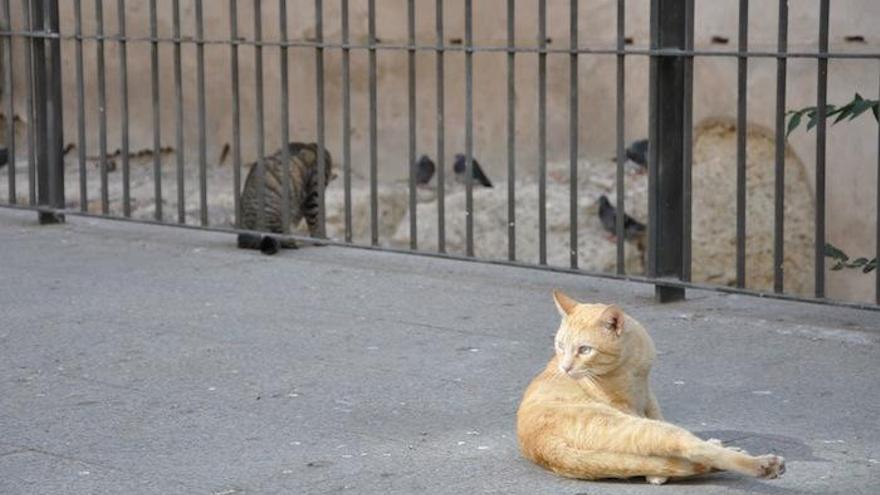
(138, 359)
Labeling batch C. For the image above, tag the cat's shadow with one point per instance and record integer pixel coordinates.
(791, 448)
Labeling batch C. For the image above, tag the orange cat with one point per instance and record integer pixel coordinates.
(591, 413)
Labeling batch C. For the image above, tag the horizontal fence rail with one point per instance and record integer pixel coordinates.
(580, 50)
(34, 39)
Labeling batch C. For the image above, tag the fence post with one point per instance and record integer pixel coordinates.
(48, 118)
(669, 27)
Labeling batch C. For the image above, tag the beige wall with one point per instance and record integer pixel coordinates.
(852, 147)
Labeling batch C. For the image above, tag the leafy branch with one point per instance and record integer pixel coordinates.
(841, 260)
(849, 111)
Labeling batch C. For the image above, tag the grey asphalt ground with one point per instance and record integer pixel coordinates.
(138, 359)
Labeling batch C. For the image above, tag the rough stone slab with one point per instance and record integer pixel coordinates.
(161, 360)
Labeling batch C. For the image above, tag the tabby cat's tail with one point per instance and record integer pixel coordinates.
(265, 243)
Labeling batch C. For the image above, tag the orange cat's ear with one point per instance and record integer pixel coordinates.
(564, 304)
(612, 319)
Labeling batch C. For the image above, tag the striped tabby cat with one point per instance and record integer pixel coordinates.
(303, 196)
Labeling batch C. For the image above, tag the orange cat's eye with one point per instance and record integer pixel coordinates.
(584, 349)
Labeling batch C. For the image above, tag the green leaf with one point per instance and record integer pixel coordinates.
(872, 265)
(842, 113)
(793, 122)
(832, 251)
(858, 262)
(814, 119)
(861, 107)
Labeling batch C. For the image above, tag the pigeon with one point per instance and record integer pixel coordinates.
(424, 170)
(632, 228)
(4, 156)
(461, 165)
(637, 151)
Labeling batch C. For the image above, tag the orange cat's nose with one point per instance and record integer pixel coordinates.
(566, 368)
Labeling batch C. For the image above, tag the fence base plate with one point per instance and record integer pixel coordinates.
(50, 218)
(666, 294)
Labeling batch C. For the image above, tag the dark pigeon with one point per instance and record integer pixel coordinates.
(4, 156)
(424, 170)
(632, 228)
(460, 167)
(637, 151)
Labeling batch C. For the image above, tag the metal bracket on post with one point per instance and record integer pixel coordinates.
(666, 137)
(48, 121)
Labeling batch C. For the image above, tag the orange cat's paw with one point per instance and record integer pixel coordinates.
(656, 480)
(770, 466)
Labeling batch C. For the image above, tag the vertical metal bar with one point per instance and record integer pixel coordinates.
(653, 145)
(573, 135)
(80, 109)
(203, 139)
(877, 227)
(123, 95)
(157, 131)
(621, 134)
(687, 144)
(441, 130)
(41, 98)
(542, 131)
(511, 130)
(411, 89)
(55, 114)
(236, 111)
(319, 105)
(102, 106)
(180, 150)
(374, 158)
(469, 125)
(9, 103)
(285, 119)
(741, 135)
(665, 138)
(779, 176)
(29, 81)
(261, 145)
(821, 114)
(346, 120)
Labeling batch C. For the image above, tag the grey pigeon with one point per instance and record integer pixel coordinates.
(632, 228)
(424, 170)
(460, 168)
(637, 151)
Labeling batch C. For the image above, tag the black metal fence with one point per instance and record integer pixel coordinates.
(671, 54)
